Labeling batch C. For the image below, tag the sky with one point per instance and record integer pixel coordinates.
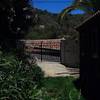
(54, 6)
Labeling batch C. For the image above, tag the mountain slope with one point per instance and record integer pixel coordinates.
(48, 26)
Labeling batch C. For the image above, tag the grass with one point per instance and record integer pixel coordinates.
(61, 88)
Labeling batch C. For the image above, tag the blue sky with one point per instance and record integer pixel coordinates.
(54, 6)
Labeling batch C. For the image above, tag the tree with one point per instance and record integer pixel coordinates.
(15, 18)
(89, 6)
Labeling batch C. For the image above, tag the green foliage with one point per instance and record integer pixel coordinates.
(61, 88)
(18, 81)
(89, 6)
(48, 26)
(16, 16)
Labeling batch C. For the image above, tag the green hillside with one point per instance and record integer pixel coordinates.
(48, 27)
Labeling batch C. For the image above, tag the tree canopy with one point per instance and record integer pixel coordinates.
(15, 18)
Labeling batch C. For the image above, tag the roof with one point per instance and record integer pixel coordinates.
(85, 22)
(46, 43)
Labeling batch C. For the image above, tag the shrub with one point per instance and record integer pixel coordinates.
(17, 79)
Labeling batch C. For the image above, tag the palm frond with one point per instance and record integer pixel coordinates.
(67, 10)
(85, 5)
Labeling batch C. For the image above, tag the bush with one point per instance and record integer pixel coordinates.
(17, 79)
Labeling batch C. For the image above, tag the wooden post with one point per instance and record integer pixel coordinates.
(41, 50)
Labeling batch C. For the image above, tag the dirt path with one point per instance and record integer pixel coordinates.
(55, 69)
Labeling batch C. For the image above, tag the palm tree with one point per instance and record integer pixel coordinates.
(89, 6)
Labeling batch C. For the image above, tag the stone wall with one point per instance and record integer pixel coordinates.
(70, 52)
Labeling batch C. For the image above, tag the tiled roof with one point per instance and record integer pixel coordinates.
(48, 43)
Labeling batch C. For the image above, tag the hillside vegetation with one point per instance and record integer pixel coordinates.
(49, 26)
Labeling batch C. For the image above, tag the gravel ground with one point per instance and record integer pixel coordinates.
(55, 69)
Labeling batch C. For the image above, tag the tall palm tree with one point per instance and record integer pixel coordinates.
(89, 6)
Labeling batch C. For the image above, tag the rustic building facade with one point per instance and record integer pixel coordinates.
(90, 57)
